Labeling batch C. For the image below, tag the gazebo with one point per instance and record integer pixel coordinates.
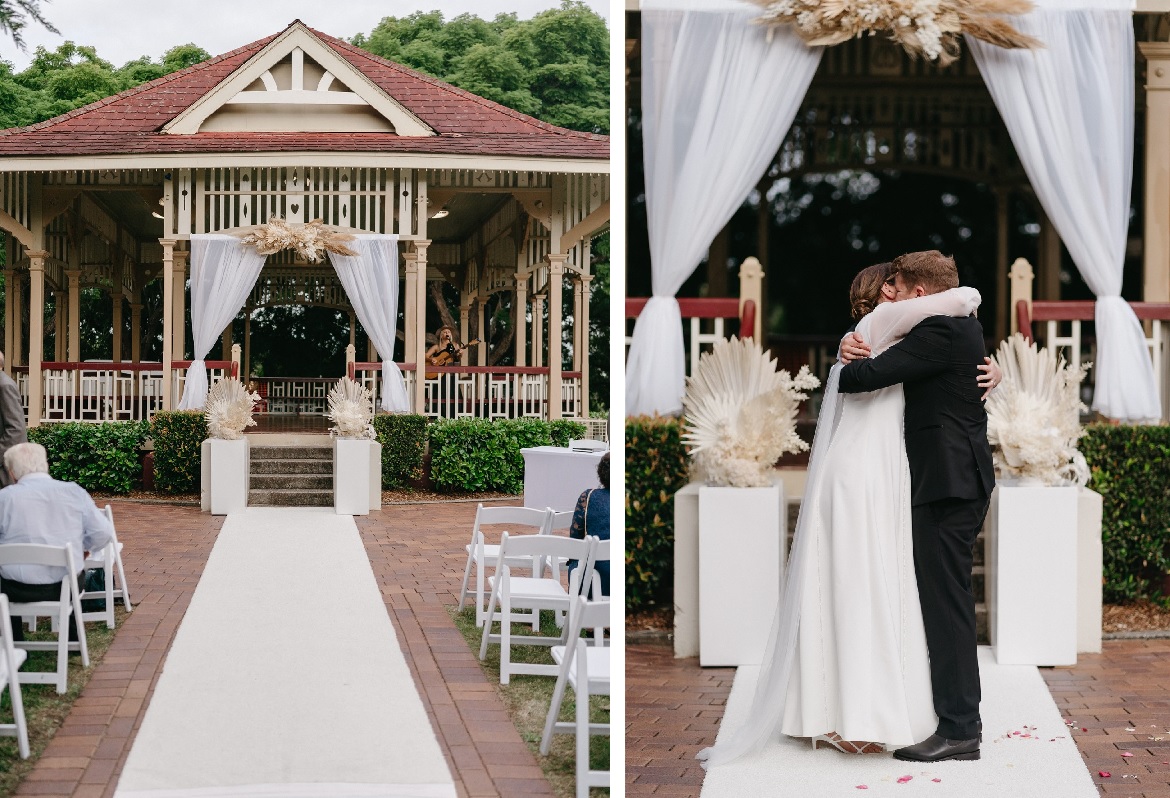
(300, 126)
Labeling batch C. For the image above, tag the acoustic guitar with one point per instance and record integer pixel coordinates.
(446, 357)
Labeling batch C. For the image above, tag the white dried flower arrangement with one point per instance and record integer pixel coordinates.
(351, 408)
(740, 414)
(930, 28)
(311, 240)
(229, 409)
(1033, 417)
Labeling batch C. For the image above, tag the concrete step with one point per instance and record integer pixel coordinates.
(291, 453)
(290, 498)
(295, 466)
(291, 482)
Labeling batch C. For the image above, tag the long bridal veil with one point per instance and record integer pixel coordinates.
(767, 709)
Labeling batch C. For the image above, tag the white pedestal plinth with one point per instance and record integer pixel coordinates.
(686, 571)
(556, 476)
(1031, 539)
(224, 472)
(375, 475)
(353, 460)
(1090, 566)
(741, 563)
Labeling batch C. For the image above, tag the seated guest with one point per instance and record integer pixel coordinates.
(39, 509)
(591, 517)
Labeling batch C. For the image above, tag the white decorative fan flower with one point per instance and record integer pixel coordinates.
(229, 409)
(740, 414)
(351, 409)
(1033, 417)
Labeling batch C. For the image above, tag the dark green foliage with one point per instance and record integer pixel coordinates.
(98, 457)
(1131, 471)
(554, 66)
(476, 454)
(656, 467)
(404, 441)
(178, 435)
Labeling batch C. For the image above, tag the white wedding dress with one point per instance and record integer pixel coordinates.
(847, 652)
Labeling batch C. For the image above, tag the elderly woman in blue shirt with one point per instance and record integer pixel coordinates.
(591, 517)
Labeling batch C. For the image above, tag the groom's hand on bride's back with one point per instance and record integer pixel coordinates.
(853, 348)
(989, 377)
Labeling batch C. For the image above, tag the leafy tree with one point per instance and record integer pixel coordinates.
(183, 56)
(15, 16)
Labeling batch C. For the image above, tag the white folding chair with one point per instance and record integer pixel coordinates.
(11, 659)
(68, 604)
(109, 560)
(483, 555)
(585, 668)
(531, 593)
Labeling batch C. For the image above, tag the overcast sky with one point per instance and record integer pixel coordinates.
(123, 30)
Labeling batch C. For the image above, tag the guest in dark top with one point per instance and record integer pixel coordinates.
(591, 517)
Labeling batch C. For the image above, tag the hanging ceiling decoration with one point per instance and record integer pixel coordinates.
(311, 240)
(927, 28)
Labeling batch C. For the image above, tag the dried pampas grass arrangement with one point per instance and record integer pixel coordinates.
(928, 28)
(311, 240)
(1033, 417)
(351, 408)
(740, 414)
(229, 409)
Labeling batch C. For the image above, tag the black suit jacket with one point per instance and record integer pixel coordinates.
(946, 424)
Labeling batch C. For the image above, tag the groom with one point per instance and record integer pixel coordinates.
(951, 479)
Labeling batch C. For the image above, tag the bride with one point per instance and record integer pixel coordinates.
(846, 663)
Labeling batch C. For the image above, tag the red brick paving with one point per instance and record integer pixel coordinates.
(416, 554)
(673, 705)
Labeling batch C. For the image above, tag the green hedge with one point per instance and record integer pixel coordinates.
(656, 467)
(1131, 471)
(178, 435)
(98, 457)
(476, 454)
(404, 442)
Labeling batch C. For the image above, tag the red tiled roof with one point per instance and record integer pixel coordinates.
(131, 122)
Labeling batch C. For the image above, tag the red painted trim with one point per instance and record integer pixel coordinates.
(1084, 310)
(1023, 322)
(747, 321)
(704, 308)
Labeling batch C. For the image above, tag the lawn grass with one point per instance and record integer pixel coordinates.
(527, 699)
(44, 709)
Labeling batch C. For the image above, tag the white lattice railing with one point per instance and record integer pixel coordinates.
(481, 391)
(307, 395)
(105, 391)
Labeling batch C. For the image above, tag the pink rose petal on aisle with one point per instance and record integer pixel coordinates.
(862, 787)
(1126, 753)
(1104, 774)
(937, 781)
(905, 779)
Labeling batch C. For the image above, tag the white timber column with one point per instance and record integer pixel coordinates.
(521, 309)
(10, 312)
(60, 301)
(409, 311)
(168, 278)
(1003, 199)
(179, 342)
(538, 330)
(464, 320)
(420, 338)
(583, 323)
(480, 333)
(1156, 231)
(556, 273)
(352, 327)
(36, 334)
(117, 343)
(135, 332)
(74, 353)
(17, 348)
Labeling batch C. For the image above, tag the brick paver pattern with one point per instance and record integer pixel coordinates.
(417, 555)
(673, 708)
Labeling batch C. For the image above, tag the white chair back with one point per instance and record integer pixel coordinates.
(13, 658)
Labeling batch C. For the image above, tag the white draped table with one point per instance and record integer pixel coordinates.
(556, 477)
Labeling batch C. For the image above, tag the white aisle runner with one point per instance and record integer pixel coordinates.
(1044, 763)
(285, 679)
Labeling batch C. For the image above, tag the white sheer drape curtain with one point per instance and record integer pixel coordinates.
(718, 99)
(223, 271)
(1070, 111)
(370, 279)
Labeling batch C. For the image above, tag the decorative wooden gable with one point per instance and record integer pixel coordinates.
(297, 83)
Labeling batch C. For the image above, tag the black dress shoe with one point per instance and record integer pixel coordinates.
(939, 749)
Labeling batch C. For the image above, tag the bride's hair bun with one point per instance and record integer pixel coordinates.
(866, 289)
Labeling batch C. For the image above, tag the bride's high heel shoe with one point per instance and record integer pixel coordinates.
(848, 746)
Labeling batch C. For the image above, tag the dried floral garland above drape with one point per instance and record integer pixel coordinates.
(311, 240)
(929, 28)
